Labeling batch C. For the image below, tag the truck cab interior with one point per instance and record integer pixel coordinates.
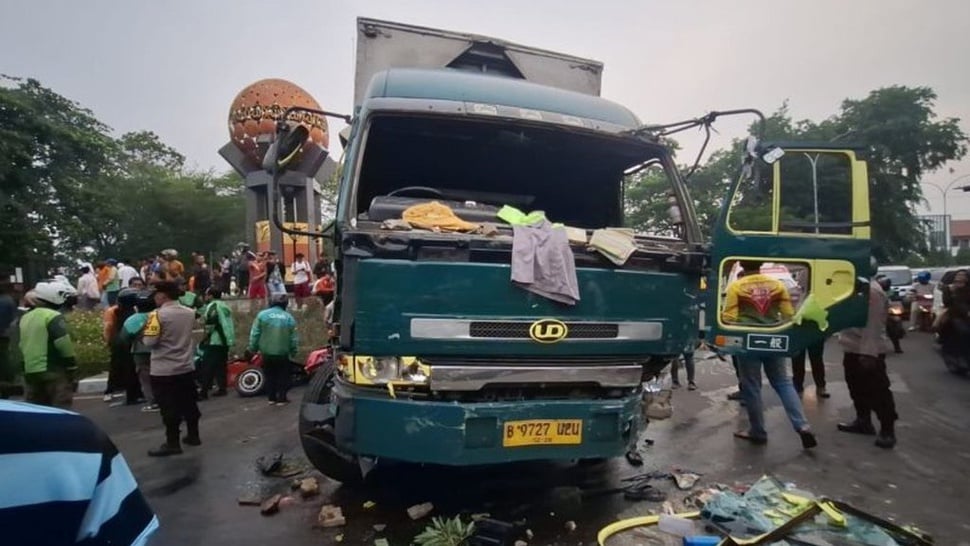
(477, 166)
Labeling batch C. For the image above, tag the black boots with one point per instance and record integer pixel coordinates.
(165, 450)
(887, 436)
(887, 432)
(192, 435)
(857, 427)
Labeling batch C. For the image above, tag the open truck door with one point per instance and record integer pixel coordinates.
(798, 216)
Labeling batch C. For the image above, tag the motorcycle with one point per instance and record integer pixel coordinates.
(248, 378)
(894, 324)
(924, 317)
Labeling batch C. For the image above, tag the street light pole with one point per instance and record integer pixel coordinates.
(943, 193)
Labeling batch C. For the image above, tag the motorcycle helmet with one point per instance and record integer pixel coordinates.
(885, 282)
(53, 293)
(923, 277)
(127, 297)
(145, 301)
(280, 300)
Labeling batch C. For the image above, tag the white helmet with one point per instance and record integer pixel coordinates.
(53, 292)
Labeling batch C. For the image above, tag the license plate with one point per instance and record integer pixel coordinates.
(543, 432)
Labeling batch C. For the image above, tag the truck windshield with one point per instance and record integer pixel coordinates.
(576, 177)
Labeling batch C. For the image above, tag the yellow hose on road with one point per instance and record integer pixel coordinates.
(642, 521)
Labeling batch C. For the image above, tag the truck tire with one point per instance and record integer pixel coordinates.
(250, 382)
(317, 431)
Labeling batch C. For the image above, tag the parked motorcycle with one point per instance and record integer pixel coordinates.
(248, 378)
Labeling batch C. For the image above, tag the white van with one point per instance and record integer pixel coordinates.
(900, 279)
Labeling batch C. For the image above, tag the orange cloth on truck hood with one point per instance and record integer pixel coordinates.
(435, 216)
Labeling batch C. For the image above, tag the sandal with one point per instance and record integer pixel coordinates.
(757, 440)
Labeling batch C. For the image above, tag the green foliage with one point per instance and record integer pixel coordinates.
(86, 329)
(962, 257)
(69, 189)
(445, 532)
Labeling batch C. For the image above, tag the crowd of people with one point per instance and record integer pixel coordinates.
(150, 315)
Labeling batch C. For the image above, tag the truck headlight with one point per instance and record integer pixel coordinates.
(382, 370)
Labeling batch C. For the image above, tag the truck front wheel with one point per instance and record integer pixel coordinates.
(317, 430)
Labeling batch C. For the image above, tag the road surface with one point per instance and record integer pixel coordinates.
(923, 481)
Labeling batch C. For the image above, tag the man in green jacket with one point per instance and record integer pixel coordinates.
(219, 336)
(49, 361)
(274, 335)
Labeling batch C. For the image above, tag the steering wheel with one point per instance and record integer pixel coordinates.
(419, 189)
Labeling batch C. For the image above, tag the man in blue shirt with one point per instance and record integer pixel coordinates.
(64, 482)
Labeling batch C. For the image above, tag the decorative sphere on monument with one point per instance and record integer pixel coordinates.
(257, 108)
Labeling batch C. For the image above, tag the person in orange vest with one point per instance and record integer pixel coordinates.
(121, 373)
(324, 287)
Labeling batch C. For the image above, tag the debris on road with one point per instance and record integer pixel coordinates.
(268, 464)
(640, 489)
(521, 543)
(419, 511)
(772, 511)
(634, 458)
(381, 542)
(479, 517)
(379, 527)
(685, 480)
(271, 505)
(369, 504)
(309, 488)
(331, 516)
(249, 499)
(450, 532)
(570, 526)
(338, 538)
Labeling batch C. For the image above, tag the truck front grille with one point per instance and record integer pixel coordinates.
(520, 330)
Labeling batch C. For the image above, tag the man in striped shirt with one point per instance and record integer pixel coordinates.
(62, 481)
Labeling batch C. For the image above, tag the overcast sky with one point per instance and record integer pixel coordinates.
(174, 66)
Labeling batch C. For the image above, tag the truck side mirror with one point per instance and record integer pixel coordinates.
(285, 148)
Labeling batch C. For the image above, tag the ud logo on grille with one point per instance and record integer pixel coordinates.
(548, 331)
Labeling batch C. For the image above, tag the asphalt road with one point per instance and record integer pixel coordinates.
(923, 481)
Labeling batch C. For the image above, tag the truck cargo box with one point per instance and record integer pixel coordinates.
(382, 45)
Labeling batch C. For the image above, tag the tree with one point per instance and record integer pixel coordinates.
(68, 189)
(52, 152)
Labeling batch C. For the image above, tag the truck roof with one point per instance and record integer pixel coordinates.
(470, 87)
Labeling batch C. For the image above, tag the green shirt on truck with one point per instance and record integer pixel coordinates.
(45, 343)
(274, 333)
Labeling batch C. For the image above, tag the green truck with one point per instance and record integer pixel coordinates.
(439, 358)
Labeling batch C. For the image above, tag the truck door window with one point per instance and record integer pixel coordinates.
(752, 206)
(804, 192)
(760, 293)
(816, 193)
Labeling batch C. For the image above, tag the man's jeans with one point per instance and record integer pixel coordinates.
(775, 370)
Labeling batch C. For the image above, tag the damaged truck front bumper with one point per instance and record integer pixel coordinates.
(369, 422)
